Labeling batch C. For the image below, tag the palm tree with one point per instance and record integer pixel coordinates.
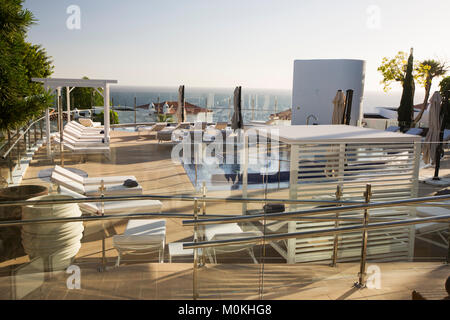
(432, 69)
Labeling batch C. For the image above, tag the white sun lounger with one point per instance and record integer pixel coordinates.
(166, 133)
(84, 128)
(82, 134)
(75, 125)
(429, 228)
(85, 149)
(153, 129)
(114, 207)
(92, 180)
(80, 142)
(227, 232)
(142, 236)
(93, 189)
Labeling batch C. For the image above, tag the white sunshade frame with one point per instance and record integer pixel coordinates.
(58, 83)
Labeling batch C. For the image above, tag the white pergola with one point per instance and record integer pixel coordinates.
(70, 84)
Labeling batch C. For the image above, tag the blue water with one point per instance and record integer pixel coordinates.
(217, 99)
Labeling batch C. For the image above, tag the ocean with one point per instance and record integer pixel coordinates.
(220, 100)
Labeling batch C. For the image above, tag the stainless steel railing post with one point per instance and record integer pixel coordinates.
(10, 165)
(195, 267)
(18, 150)
(362, 270)
(35, 134)
(102, 212)
(336, 225)
(29, 137)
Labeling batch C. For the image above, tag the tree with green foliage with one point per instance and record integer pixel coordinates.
(20, 98)
(165, 118)
(406, 111)
(83, 98)
(444, 86)
(427, 70)
(113, 117)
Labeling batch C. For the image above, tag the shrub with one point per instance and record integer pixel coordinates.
(113, 117)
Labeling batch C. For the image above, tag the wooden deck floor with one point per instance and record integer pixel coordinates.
(230, 281)
(155, 171)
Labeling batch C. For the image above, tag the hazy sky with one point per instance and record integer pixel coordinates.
(253, 43)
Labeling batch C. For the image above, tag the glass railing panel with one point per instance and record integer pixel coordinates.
(109, 258)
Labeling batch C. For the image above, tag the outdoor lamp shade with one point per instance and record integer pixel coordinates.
(338, 108)
(180, 109)
(434, 124)
(236, 120)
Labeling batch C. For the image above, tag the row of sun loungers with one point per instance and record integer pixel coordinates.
(83, 140)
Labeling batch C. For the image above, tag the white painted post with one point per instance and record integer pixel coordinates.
(106, 112)
(293, 181)
(414, 194)
(68, 103)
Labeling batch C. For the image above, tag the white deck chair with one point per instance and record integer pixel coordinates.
(80, 127)
(227, 232)
(441, 229)
(83, 148)
(142, 236)
(153, 129)
(166, 133)
(114, 207)
(92, 180)
(93, 189)
(68, 139)
(82, 134)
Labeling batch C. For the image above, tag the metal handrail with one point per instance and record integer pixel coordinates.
(20, 137)
(300, 213)
(10, 223)
(314, 233)
(173, 198)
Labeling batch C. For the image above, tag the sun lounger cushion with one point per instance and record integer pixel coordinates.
(89, 123)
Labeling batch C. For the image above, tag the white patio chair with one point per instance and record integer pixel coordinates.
(142, 236)
(227, 232)
(441, 229)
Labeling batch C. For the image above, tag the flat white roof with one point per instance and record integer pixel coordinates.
(298, 134)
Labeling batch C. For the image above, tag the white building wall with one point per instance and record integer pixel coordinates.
(315, 84)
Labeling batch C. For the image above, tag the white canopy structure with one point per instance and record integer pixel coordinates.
(322, 158)
(70, 84)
